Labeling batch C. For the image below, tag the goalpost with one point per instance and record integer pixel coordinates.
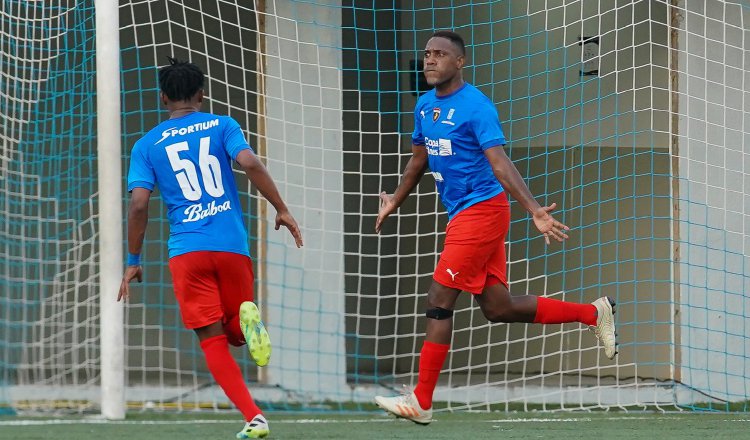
(630, 115)
(110, 208)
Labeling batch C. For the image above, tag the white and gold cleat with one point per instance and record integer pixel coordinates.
(405, 406)
(605, 325)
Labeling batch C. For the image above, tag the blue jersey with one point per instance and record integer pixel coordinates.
(190, 159)
(456, 129)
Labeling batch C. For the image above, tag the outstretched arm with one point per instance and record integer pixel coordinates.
(258, 175)
(508, 176)
(137, 222)
(413, 173)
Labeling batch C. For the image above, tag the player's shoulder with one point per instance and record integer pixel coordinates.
(221, 121)
(475, 96)
(473, 99)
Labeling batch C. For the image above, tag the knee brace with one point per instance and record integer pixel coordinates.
(438, 313)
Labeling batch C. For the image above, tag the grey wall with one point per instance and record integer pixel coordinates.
(711, 282)
(303, 127)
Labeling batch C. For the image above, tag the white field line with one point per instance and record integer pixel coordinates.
(586, 419)
(171, 422)
(323, 421)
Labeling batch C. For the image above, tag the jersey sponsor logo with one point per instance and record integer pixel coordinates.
(431, 142)
(432, 146)
(196, 212)
(193, 128)
(446, 149)
(450, 113)
(438, 147)
(435, 114)
(421, 112)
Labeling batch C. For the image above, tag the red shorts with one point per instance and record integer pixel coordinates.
(474, 253)
(210, 286)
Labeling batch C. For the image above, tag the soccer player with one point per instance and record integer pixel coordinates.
(189, 157)
(457, 134)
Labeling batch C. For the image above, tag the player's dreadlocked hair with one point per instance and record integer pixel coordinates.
(180, 80)
(454, 37)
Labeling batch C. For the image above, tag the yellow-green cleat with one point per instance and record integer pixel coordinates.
(256, 428)
(256, 336)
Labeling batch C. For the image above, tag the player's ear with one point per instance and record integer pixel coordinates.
(460, 60)
(200, 96)
(163, 98)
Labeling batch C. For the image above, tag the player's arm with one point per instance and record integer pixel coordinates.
(258, 175)
(508, 176)
(137, 222)
(413, 173)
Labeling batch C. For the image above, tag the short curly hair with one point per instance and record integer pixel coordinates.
(180, 80)
(455, 39)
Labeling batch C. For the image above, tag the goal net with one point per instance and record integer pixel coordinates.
(630, 115)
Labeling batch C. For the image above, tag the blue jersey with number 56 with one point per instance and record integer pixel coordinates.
(190, 159)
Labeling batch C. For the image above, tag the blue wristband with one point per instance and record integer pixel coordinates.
(134, 259)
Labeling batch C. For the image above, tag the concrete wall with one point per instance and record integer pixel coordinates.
(711, 282)
(303, 125)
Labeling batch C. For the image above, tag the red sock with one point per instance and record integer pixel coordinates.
(233, 331)
(227, 374)
(554, 311)
(431, 361)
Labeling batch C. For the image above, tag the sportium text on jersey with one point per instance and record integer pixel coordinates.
(190, 159)
(456, 129)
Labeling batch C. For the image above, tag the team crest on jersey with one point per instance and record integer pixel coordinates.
(435, 114)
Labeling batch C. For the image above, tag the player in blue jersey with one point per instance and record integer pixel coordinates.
(189, 156)
(457, 134)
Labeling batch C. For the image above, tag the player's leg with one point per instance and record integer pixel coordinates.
(196, 290)
(228, 375)
(441, 301)
(417, 405)
(498, 305)
(462, 266)
(236, 279)
(242, 317)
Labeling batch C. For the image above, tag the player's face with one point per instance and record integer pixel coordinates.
(442, 61)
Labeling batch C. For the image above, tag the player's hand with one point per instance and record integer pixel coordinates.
(131, 273)
(547, 224)
(387, 206)
(286, 219)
